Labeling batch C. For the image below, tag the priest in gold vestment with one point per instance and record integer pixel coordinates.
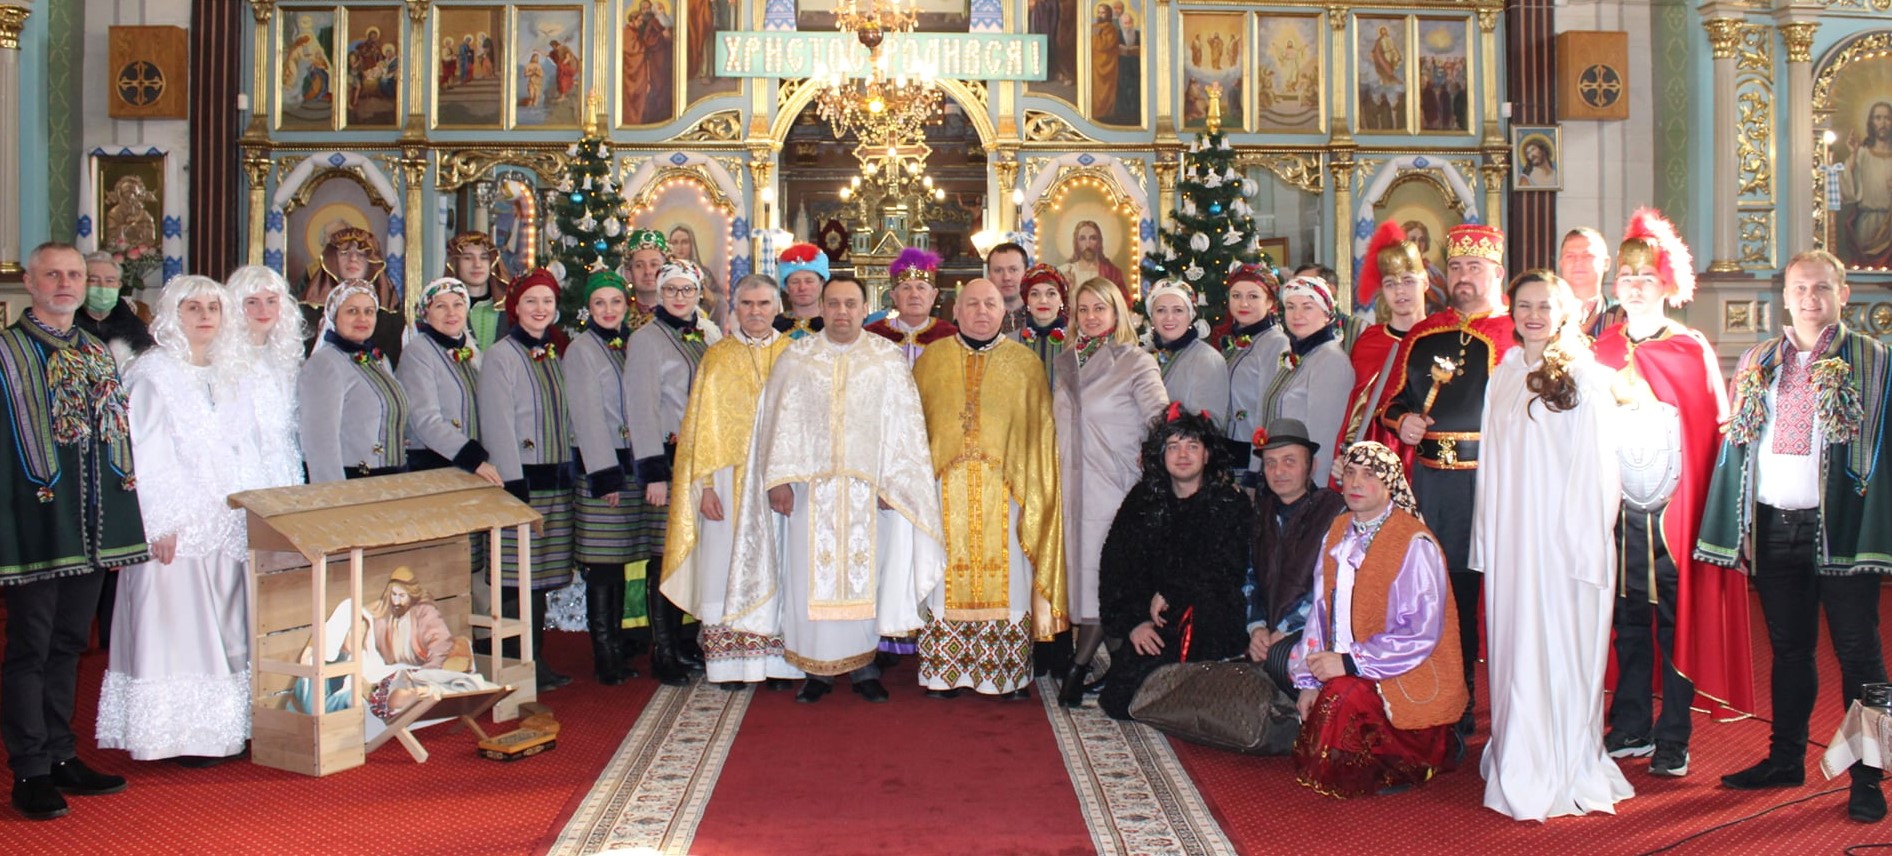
(988, 419)
(839, 510)
(712, 460)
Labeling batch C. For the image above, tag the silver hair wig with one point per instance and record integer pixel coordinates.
(282, 345)
(170, 335)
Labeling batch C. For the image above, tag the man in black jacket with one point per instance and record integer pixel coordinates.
(1292, 517)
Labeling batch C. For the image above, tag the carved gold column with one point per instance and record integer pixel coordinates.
(1005, 170)
(417, 71)
(1495, 170)
(1488, 63)
(762, 170)
(1796, 179)
(1341, 166)
(262, 11)
(12, 21)
(1724, 34)
(413, 164)
(601, 59)
(1338, 100)
(256, 134)
(1165, 123)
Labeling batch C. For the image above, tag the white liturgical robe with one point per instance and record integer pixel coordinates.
(842, 426)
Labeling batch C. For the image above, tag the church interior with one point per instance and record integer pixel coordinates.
(196, 137)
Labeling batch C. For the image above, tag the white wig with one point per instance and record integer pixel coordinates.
(282, 345)
(170, 334)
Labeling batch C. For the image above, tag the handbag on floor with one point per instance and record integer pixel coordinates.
(1228, 704)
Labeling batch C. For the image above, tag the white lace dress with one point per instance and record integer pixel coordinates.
(178, 680)
(268, 387)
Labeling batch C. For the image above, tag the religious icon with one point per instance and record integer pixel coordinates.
(1116, 63)
(305, 96)
(1214, 56)
(373, 66)
(128, 211)
(1056, 20)
(703, 21)
(1444, 96)
(1537, 152)
(1086, 232)
(469, 83)
(548, 85)
(1860, 134)
(649, 49)
(1382, 75)
(1288, 83)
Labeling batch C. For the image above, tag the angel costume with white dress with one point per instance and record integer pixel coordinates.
(178, 680)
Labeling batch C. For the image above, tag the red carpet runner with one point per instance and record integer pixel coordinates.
(1264, 811)
(912, 776)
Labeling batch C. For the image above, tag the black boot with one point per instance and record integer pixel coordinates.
(665, 623)
(604, 611)
(546, 678)
(1071, 691)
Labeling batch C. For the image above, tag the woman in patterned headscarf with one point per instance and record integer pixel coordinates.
(351, 413)
(354, 254)
(662, 366)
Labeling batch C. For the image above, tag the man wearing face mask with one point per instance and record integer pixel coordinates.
(107, 315)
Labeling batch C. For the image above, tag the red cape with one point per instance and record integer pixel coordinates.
(1369, 362)
(1711, 612)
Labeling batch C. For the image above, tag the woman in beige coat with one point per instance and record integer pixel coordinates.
(1107, 391)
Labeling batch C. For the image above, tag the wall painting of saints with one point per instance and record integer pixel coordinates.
(1860, 128)
(372, 68)
(1057, 21)
(305, 96)
(1381, 74)
(648, 69)
(1423, 207)
(1444, 71)
(548, 86)
(701, 23)
(469, 75)
(1288, 79)
(1115, 48)
(1213, 55)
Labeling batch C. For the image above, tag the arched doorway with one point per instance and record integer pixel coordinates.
(815, 167)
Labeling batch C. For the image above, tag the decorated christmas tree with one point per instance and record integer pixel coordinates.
(1212, 230)
(586, 233)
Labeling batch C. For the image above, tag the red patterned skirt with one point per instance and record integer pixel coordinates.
(1348, 748)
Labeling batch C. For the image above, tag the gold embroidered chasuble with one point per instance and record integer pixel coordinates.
(845, 423)
(988, 417)
(717, 427)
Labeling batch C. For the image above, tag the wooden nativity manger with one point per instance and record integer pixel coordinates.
(314, 547)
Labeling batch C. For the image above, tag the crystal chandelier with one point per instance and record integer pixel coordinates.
(881, 108)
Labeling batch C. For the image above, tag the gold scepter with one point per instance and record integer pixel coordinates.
(1443, 370)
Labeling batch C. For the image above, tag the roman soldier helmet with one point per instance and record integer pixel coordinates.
(1651, 240)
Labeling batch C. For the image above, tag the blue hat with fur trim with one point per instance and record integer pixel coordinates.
(800, 257)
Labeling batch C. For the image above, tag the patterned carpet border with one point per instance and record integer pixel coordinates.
(1134, 794)
(653, 792)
